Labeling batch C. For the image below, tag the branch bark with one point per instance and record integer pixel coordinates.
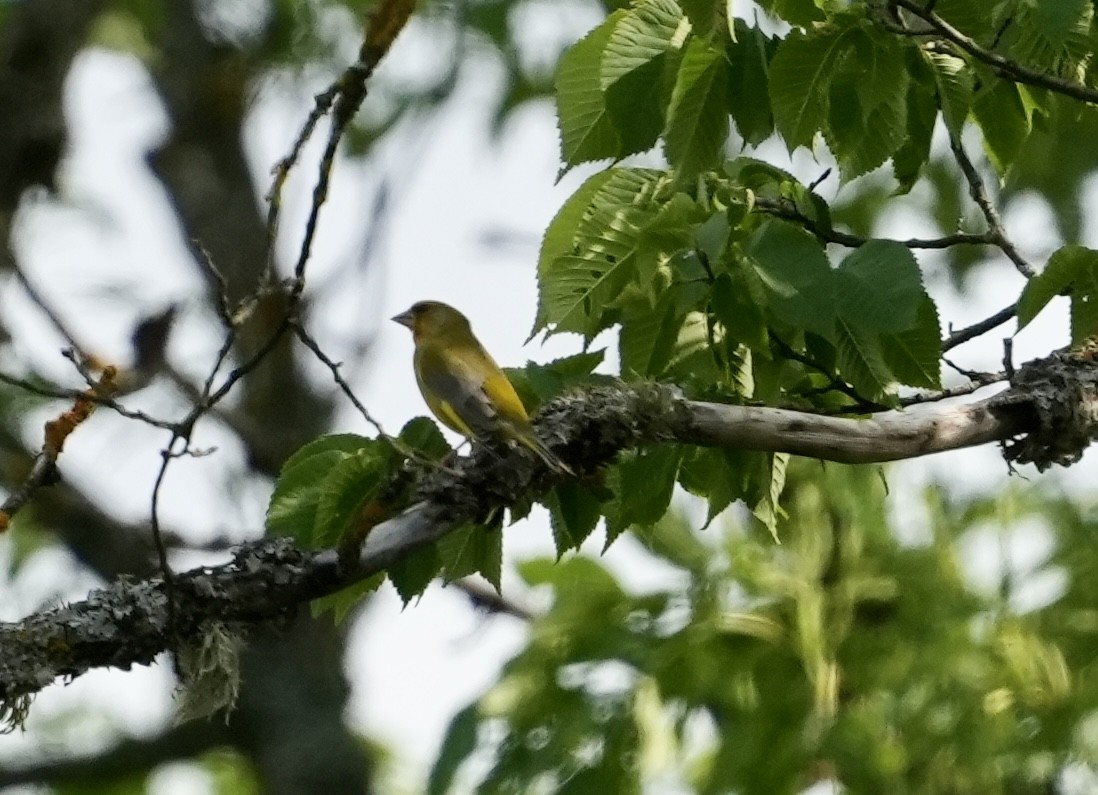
(889, 436)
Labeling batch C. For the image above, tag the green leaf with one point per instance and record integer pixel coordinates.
(606, 773)
(800, 76)
(909, 159)
(1059, 22)
(670, 232)
(1064, 267)
(749, 57)
(880, 286)
(706, 16)
(582, 288)
(337, 442)
(766, 509)
(586, 129)
(637, 104)
(647, 338)
(412, 574)
(560, 237)
(797, 276)
(647, 481)
(689, 281)
(457, 745)
(861, 360)
(705, 473)
(742, 318)
(673, 540)
(349, 484)
(802, 13)
(643, 45)
(538, 383)
(292, 509)
(1054, 37)
(639, 36)
(473, 549)
(1005, 122)
(711, 237)
(574, 513)
(693, 356)
(953, 79)
(867, 106)
(341, 603)
(423, 436)
(578, 288)
(915, 355)
(697, 119)
(576, 575)
(1071, 268)
(971, 18)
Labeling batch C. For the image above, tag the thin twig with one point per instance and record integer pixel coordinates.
(166, 456)
(222, 355)
(394, 442)
(952, 392)
(787, 210)
(310, 343)
(55, 318)
(282, 168)
(488, 600)
(978, 192)
(224, 311)
(55, 433)
(977, 329)
(977, 376)
(59, 393)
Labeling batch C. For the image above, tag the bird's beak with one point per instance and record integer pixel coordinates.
(405, 319)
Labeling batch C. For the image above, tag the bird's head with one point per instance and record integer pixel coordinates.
(431, 318)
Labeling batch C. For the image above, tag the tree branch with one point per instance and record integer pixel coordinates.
(787, 210)
(130, 621)
(976, 329)
(124, 759)
(888, 436)
(484, 598)
(1004, 66)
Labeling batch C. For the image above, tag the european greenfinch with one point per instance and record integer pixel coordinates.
(462, 384)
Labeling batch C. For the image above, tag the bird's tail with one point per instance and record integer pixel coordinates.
(551, 459)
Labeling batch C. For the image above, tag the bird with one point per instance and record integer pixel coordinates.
(462, 384)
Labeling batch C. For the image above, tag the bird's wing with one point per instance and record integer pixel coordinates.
(456, 393)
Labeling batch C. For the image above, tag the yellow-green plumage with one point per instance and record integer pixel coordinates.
(462, 384)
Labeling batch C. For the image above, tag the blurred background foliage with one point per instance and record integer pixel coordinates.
(867, 648)
(866, 652)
